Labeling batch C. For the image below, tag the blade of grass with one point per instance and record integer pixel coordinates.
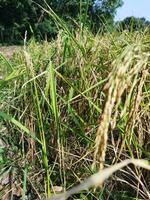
(19, 125)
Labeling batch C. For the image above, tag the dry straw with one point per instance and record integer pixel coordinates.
(98, 178)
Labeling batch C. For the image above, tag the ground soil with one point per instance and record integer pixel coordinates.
(8, 51)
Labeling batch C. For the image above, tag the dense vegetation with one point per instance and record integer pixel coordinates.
(73, 106)
(18, 16)
(133, 24)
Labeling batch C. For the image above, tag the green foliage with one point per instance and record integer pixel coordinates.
(133, 24)
(104, 13)
(15, 18)
(18, 16)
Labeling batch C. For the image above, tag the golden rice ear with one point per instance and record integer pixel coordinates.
(126, 70)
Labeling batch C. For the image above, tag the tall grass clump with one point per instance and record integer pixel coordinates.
(63, 102)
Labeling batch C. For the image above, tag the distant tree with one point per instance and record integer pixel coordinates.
(94, 13)
(133, 23)
(104, 12)
(17, 16)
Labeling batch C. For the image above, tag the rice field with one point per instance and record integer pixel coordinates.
(76, 110)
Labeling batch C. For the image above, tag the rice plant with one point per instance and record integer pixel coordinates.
(71, 107)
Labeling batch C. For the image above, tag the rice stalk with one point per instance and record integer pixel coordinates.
(36, 101)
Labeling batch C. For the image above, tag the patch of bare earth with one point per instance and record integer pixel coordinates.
(8, 51)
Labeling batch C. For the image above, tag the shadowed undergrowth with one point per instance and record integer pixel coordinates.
(55, 97)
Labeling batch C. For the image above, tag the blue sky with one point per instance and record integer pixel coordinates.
(137, 8)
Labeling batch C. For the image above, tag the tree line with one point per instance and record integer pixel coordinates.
(18, 16)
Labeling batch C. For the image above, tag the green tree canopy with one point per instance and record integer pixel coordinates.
(133, 24)
(16, 16)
